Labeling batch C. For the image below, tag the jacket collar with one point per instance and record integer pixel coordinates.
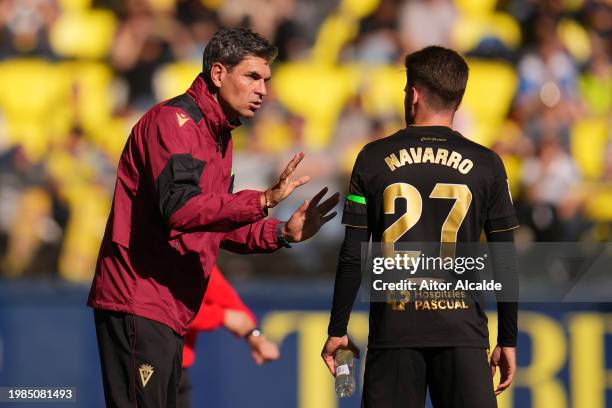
(211, 110)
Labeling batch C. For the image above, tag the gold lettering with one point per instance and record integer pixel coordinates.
(454, 160)
(416, 154)
(428, 156)
(392, 162)
(466, 166)
(404, 157)
(441, 156)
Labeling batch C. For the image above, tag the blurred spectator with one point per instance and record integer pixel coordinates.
(201, 23)
(31, 218)
(547, 74)
(84, 180)
(377, 41)
(145, 40)
(425, 22)
(24, 27)
(549, 178)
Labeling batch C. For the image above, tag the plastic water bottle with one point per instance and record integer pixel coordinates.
(345, 373)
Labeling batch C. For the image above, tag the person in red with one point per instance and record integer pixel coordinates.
(222, 307)
(173, 209)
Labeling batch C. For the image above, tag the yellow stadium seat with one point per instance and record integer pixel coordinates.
(74, 5)
(475, 7)
(34, 100)
(91, 92)
(471, 29)
(588, 141)
(24, 234)
(317, 93)
(89, 207)
(111, 137)
(488, 96)
(358, 8)
(383, 89)
(598, 206)
(334, 33)
(575, 39)
(596, 92)
(84, 34)
(174, 79)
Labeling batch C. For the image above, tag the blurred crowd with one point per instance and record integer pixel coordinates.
(75, 75)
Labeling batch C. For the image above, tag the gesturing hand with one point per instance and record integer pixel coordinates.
(285, 184)
(262, 349)
(310, 217)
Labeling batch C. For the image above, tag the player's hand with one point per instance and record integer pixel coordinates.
(308, 219)
(262, 349)
(505, 359)
(334, 344)
(237, 322)
(285, 184)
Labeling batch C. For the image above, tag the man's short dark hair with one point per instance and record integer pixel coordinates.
(441, 74)
(229, 46)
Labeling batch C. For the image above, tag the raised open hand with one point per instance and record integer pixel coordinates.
(310, 217)
(285, 184)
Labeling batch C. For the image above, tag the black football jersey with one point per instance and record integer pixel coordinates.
(428, 184)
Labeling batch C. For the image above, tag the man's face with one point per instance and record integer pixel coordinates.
(241, 90)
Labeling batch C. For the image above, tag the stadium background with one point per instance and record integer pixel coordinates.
(76, 74)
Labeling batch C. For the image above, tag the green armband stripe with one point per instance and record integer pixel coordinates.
(355, 198)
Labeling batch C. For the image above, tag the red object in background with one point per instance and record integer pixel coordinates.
(219, 296)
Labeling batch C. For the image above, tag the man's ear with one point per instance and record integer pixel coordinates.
(415, 95)
(217, 73)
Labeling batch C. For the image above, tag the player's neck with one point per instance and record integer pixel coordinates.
(433, 119)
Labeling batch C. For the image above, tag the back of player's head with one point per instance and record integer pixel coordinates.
(229, 46)
(440, 74)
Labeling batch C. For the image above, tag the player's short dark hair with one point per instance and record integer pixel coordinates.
(440, 73)
(230, 46)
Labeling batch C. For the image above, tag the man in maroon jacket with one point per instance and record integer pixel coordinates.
(173, 208)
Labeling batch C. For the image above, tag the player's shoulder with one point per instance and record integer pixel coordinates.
(484, 154)
(380, 145)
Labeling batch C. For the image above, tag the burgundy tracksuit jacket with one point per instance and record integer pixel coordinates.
(172, 209)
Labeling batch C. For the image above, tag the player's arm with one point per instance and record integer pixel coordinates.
(240, 320)
(503, 256)
(499, 229)
(348, 280)
(223, 306)
(348, 272)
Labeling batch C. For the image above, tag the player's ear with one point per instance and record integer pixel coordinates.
(415, 95)
(217, 72)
